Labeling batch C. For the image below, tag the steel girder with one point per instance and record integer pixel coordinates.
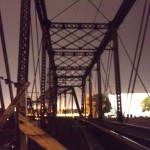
(78, 26)
(43, 82)
(117, 77)
(4, 50)
(90, 95)
(113, 26)
(1, 99)
(68, 40)
(100, 100)
(41, 10)
(69, 43)
(69, 76)
(24, 41)
(71, 68)
(77, 57)
(76, 100)
(69, 86)
(23, 63)
(70, 53)
(83, 95)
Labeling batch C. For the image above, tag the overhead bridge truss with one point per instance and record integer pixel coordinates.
(74, 49)
(79, 26)
(74, 46)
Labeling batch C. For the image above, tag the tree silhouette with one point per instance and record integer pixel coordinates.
(146, 104)
(106, 104)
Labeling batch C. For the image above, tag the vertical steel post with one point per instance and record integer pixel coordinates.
(55, 96)
(83, 94)
(60, 104)
(90, 95)
(85, 105)
(65, 101)
(76, 100)
(100, 101)
(23, 63)
(49, 91)
(43, 80)
(51, 85)
(72, 102)
(24, 38)
(117, 76)
(1, 98)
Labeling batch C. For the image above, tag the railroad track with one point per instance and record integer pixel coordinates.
(136, 133)
(84, 134)
(118, 135)
(92, 142)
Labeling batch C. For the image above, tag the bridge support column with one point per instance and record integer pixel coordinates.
(72, 103)
(23, 65)
(117, 76)
(55, 97)
(60, 101)
(83, 94)
(43, 79)
(76, 100)
(90, 95)
(100, 102)
(1, 99)
(52, 91)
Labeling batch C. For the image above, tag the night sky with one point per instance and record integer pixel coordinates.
(81, 11)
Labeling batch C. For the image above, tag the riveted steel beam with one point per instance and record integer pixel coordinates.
(70, 86)
(64, 76)
(2, 99)
(24, 41)
(76, 100)
(117, 77)
(42, 14)
(71, 68)
(60, 25)
(62, 53)
(100, 101)
(113, 26)
(23, 65)
(79, 48)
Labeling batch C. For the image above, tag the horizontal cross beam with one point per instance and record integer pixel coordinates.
(71, 68)
(70, 86)
(60, 25)
(79, 48)
(64, 76)
(62, 53)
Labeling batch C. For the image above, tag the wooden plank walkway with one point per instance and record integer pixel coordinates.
(8, 112)
(38, 135)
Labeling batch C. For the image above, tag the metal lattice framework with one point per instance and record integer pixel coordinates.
(75, 48)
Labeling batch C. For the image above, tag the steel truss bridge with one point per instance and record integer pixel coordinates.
(71, 59)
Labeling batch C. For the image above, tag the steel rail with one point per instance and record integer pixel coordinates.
(121, 140)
